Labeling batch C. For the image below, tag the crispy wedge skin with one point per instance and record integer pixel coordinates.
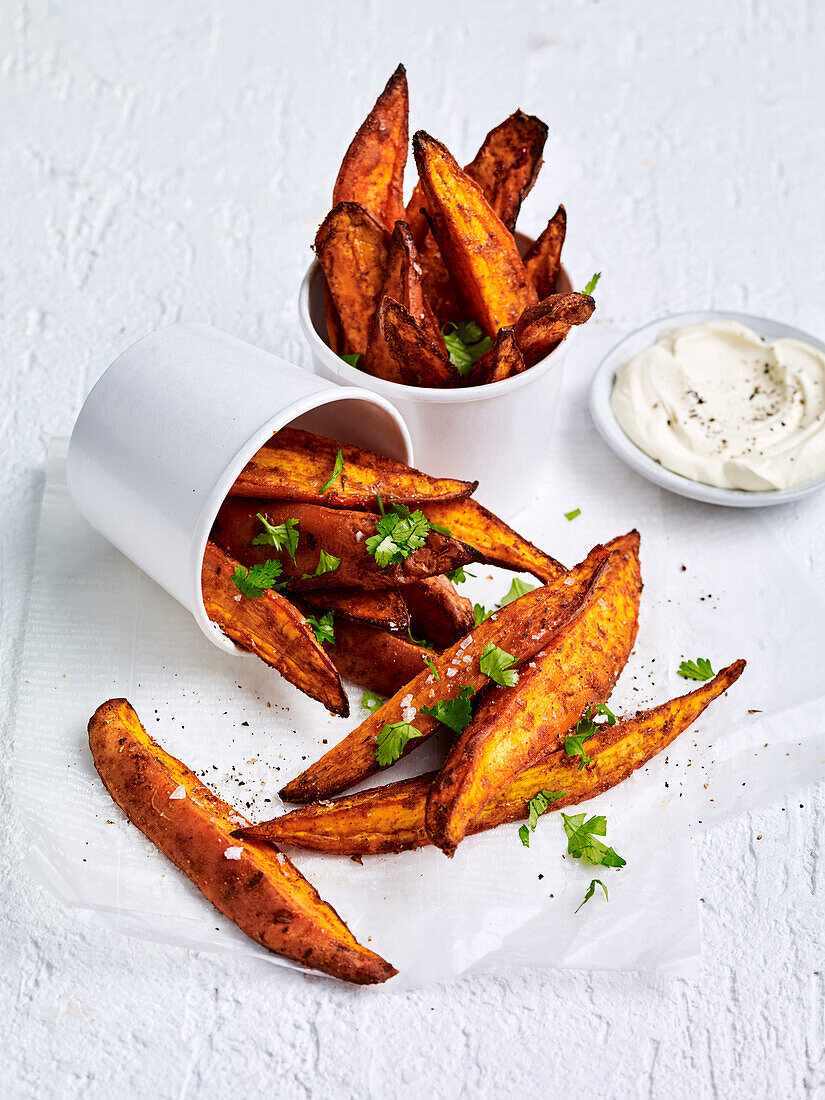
(343, 534)
(376, 659)
(295, 465)
(383, 608)
(335, 332)
(502, 361)
(514, 727)
(545, 324)
(477, 248)
(543, 258)
(391, 818)
(522, 629)
(419, 361)
(497, 543)
(261, 891)
(352, 248)
(438, 612)
(372, 172)
(506, 165)
(273, 629)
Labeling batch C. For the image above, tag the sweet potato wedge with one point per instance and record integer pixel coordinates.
(375, 659)
(502, 361)
(490, 536)
(546, 324)
(543, 259)
(479, 251)
(343, 534)
(522, 629)
(506, 165)
(389, 819)
(418, 360)
(438, 612)
(383, 608)
(372, 172)
(335, 332)
(295, 465)
(514, 727)
(252, 884)
(273, 629)
(352, 248)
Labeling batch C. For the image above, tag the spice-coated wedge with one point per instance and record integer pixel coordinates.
(545, 324)
(352, 248)
(332, 549)
(388, 819)
(503, 360)
(490, 536)
(521, 629)
(438, 611)
(543, 258)
(384, 608)
(271, 628)
(515, 726)
(335, 331)
(252, 884)
(297, 465)
(419, 361)
(479, 251)
(372, 172)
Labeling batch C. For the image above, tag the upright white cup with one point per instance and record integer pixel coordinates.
(170, 425)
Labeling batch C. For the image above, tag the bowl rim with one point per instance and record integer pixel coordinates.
(601, 412)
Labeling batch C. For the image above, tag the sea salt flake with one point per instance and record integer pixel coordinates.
(237, 598)
(408, 714)
(405, 702)
(359, 535)
(467, 641)
(233, 853)
(178, 792)
(569, 581)
(452, 671)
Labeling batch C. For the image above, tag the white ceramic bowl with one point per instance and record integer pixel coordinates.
(608, 427)
(496, 434)
(169, 426)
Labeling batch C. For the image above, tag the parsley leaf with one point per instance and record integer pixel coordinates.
(253, 582)
(327, 563)
(571, 516)
(465, 343)
(399, 533)
(539, 804)
(458, 576)
(322, 628)
(456, 713)
(583, 842)
(498, 665)
(281, 536)
(430, 663)
(591, 890)
(337, 470)
(445, 531)
(371, 702)
(517, 588)
(700, 669)
(351, 360)
(390, 742)
(586, 727)
(424, 643)
(591, 286)
(480, 613)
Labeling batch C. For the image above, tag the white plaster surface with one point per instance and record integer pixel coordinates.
(166, 161)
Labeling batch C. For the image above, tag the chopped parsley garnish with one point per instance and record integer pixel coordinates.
(445, 531)
(571, 516)
(700, 669)
(591, 890)
(322, 628)
(390, 742)
(498, 665)
(399, 533)
(351, 360)
(465, 343)
(337, 470)
(591, 286)
(458, 576)
(539, 804)
(283, 536)
(480, 613)
(424, 643)
(586, 727)
(371, 702)
(253, 582)
(327, 563)
(517, 588)
(456, 713)
(583, 842)
(430, 663)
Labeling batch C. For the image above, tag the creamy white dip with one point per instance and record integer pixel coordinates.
(718, 404)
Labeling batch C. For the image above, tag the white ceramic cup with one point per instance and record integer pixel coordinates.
(169, 426)
(496, 434)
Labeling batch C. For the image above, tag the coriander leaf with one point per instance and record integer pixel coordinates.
(455, 713)
(445, 531)
(337, 470)
(399, 533)
(351, 360)
(585, 728)
(430, 663)
(591, 890)
(327, 563)
(524, 836)
(517, 588)
(700, 669)
(538, 805)
(390, 742)
(381, 508)
(480, 613)
(591, 286)
(371, 702)
(322, 628)
(423, 642)
(253, 582)
(498, 665)
(383, 548)
(281, 536)
(465, 343)
(583, 842)
(574, 514)
(458, 576)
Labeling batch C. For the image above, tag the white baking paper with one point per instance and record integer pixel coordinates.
(99, 628)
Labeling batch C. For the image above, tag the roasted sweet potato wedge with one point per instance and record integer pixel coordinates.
(543, 258)
(497, 543)
(522, 629)
(502, 361)
(252, 884)
(479, 251)
(506, 165)
(546, 324)
(295, 465)
(390, 819)
(273, 629)
(515, 726)
(372, 172)
(438, 612)
(331, 531)
(335, 332)
(352, 248)
(418, 360)
(383, 608)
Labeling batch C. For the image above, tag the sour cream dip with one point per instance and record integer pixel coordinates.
(718, 404)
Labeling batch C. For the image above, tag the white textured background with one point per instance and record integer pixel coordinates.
(164, 160)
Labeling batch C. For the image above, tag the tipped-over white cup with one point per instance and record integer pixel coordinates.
(170, 425)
